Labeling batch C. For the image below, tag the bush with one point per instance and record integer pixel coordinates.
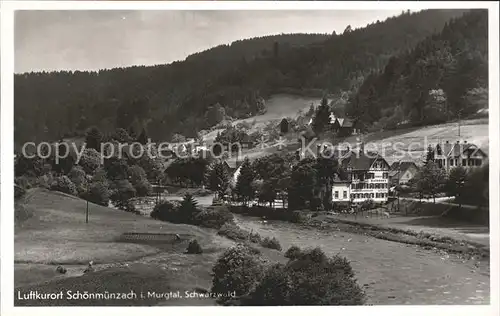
(293, 252)
(78, 177)
(233, 232)
(143, 188)
(297, 217)
(273, 289)
(194, 247)
(271, 243)
(98, 193)
(310, 278)
(238, 270)
(63, 184)
(122, 193)
(166, 211)
(90, 160)
(214, 217)
(19, 192)
(25, 182)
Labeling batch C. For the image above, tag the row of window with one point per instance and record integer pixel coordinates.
(368, 195)
(472, 162)
(361, 186)
(344, 196)
(369, 175)
(361, 195)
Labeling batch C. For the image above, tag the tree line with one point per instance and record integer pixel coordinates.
(174, 98)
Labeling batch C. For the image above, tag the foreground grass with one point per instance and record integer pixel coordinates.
(51, 230)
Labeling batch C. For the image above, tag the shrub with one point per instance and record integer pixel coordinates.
(98, 193)
(143, 188)
(214, 217)
(274, 288)
(297, 217)
(271, 243)
(90, 160)
(237, 270)
(45, 181)
(310, 278)
(123, 192)
(78, 177)
(255, 238)
(233, 232)
(194, 247)
(19, 192)
(166, 211)
(63, 184)
(25, 182)
(293, 252)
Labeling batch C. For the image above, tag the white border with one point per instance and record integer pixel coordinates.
(7, 216)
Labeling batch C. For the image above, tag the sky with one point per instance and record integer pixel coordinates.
(93, 40)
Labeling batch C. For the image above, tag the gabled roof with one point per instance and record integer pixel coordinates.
(233, 164)
(403, 166)
(458, 149)
(361, 160)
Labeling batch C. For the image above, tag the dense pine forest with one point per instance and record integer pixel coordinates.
(445, 76)
(386, 69)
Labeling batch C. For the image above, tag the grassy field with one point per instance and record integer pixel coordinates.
(391, 273)
(406, 144)
(51, 231)
(278, 107)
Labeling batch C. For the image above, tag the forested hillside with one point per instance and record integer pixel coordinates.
(176, 97)
(443, 77)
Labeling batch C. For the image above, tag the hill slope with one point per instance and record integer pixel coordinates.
(443, 77)
(175, 98)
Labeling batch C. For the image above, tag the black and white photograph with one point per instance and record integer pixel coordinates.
(332, 157)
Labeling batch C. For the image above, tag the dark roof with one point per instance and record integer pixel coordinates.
(361, 160)
(402, 166)
(458, 149)
(233, 164)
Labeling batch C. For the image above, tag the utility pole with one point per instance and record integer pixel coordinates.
(459, 117)
(87, 214)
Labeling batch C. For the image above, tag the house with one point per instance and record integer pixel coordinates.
(367, 177)
(402, 172)
(459, 154)
(344, 126)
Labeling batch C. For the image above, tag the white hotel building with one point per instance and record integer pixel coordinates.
(367, 178)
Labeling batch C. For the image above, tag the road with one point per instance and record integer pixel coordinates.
(441, 200)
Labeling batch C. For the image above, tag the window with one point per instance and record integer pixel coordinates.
(353, 196)
(479, 162)
(451, 162)
(336, 194)
(385, 175)
(372, 195)
(345, 194)
(464, 162)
